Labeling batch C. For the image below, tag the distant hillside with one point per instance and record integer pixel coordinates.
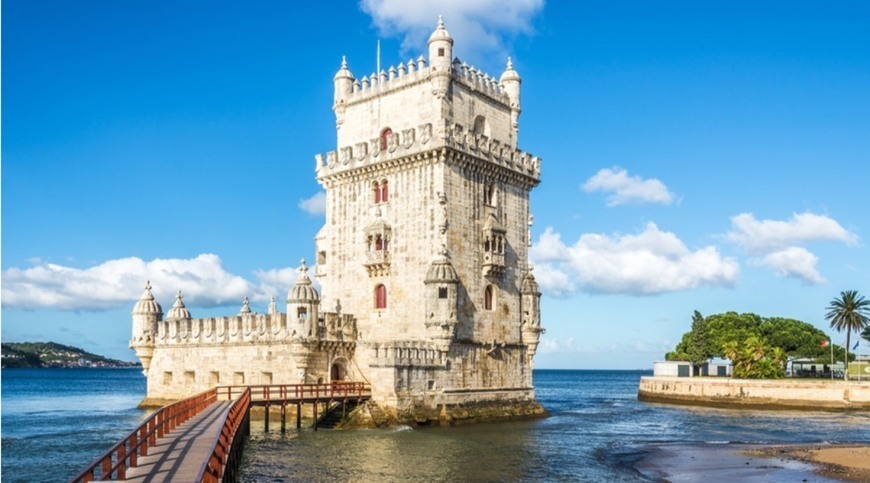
(50, 354)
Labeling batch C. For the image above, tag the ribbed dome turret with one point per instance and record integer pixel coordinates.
(178, 310)
(441, 270)
(509, 73)
(530, 286)
(303, 291)
(146, 303)
(343, 72)
(440, 33)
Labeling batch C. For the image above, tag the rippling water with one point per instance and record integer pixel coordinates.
(596, 431)
(57, 421)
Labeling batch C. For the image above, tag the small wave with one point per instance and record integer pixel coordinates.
(717, 442)
(402, 427)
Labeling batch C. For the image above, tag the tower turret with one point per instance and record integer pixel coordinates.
(303, 303)
(441, 300)
(343, 81)
(531, 313)
(146, 314)
(510, 81)
(440, 48)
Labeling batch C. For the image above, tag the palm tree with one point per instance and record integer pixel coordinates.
(851, 312)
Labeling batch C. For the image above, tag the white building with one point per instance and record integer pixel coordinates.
(423, 260)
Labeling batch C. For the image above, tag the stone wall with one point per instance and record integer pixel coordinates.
(745, 393)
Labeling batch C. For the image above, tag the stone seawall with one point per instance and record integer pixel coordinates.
(762, 394)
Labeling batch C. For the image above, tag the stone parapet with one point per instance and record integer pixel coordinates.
(762, 394)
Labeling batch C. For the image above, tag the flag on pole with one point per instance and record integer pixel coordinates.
(856, 345)
(825, 343)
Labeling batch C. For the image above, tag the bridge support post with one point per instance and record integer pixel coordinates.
(267, 418)
(298, 415)
(315, 414)
(284, 417)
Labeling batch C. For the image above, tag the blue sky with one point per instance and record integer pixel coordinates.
(707, 156)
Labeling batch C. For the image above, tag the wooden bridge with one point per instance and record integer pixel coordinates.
(200, 438)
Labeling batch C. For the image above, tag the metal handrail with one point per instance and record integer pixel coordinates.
(125, 454)
(224, 456)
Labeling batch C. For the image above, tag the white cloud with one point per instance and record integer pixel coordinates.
(795, 262)
(315, 205)
(767, 235)
(623, 188)
(478, 27)
(118, 283)
(776, 243)
(651, 262)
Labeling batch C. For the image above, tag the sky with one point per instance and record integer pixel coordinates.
(709, 156)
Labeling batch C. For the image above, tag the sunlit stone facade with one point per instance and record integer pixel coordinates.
(427, 292)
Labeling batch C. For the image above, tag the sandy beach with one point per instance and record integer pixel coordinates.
(843, 462)
(773, 463)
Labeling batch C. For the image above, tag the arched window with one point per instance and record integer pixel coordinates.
(380, 297)
(385, 193)
(486, 245)
(377, 190)
(487, 297)
(379, 243)
(385, 136)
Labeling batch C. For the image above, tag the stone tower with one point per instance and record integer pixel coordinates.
(426, 234)
(426, 290)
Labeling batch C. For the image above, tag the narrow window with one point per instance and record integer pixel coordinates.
(167, 378)
(386, 244)
(321, 258)
(441, 52)
(379, 243)
(486, 245)
(377, 190)
(214, 378)
(487, 298)
(442, 292)
(385, 136)
(385, 193)
(380, 297)
(302, 313)
(189, 377)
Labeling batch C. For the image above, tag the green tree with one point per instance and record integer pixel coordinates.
(849, 312)
(866, 334)
(699, 350)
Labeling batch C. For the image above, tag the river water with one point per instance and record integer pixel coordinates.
(55, 421)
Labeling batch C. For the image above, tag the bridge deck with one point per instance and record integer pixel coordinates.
(179, 455)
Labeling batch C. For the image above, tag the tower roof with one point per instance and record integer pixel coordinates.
(530, 286)
(246, 307)
(303, 291)
(440, 33)
(441, 270)
(178, 310)
(146, 303)
(343, 72)
(509, 73)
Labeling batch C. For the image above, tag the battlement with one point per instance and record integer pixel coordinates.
(252, 328)
(414, 72)
(414, 140)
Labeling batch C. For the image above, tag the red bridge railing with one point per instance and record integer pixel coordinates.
(223, 463)
(277, 393)
(113, 464)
